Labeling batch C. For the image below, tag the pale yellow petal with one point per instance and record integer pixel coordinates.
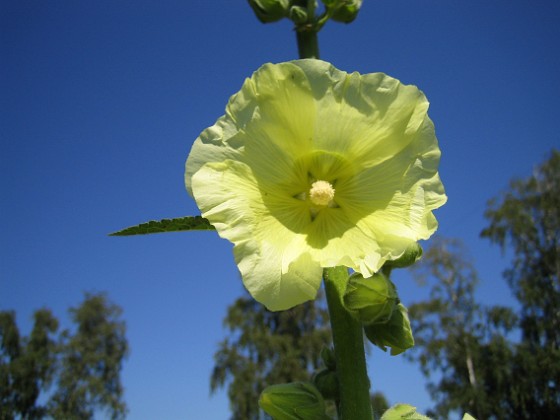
(229, 197)
(369, 118)
(282, 128)
(264, 279)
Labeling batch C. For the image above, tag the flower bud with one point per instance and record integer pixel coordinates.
(326, 382)
(270, 10)
(298, 15)
(293, 401)
(396, 333)
(345, 11)
(412, 254)
(372, 299)
(327, 355)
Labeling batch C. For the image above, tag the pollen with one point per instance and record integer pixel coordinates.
(321, 193)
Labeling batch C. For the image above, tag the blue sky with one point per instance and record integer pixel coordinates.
(101, 101)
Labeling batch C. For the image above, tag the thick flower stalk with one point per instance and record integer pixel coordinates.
(312, 167)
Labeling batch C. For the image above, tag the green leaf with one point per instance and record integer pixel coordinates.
(167, 225)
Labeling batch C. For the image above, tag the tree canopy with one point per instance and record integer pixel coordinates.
(481, 365)
(459, 338)
(265, 348)
(526, 219)
(77, 372)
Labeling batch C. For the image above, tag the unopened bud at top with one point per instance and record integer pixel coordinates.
(344, 11)
(298, 15)
(270, 10)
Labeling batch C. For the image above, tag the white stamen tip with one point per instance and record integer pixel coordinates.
(321, 193)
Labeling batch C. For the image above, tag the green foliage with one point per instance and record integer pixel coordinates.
(10, 350)
(265, 348)
(167, 225)
(483, 371)
(83, 366)
(94, 354)
(26, 365)
(526, 218)
(458, 338)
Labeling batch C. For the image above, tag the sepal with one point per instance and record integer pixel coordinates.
(412, 254)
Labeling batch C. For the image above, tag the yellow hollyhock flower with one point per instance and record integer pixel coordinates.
(313, 167)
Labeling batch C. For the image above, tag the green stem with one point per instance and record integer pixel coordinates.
(308, 44)
(349, 351)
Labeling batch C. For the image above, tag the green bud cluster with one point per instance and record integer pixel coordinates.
(326, 380)
(303, 12)
(268, 11)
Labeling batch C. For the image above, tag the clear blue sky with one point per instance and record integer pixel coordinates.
(100, 102)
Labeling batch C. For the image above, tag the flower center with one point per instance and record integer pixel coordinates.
(321, 193)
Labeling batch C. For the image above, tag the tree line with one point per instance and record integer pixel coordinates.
(67, 374)
(498, 362)
(494, 362)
